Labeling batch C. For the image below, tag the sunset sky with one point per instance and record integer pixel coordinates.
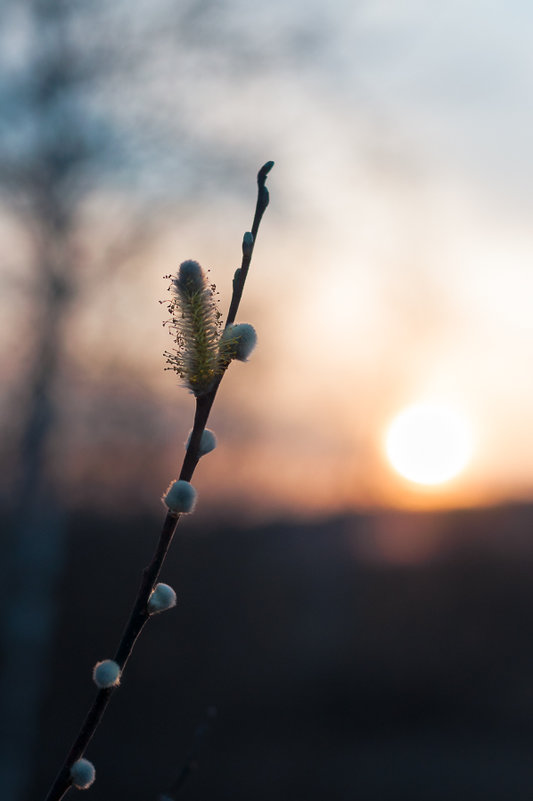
(394, 265)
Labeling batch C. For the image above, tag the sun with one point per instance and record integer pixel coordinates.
(429, 443)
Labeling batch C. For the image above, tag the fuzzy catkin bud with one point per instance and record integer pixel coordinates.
(190, 278)
(238, 341)
(106, 674)
(82, 774)
(208, 442)
(162, 598)
(180, 497)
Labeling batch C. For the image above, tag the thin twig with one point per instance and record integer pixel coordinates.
(262, 203)
(139, 614)
(191, 761)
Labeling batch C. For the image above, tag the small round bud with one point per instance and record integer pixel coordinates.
(247, 244)
(180, 497)
(208, 442)
(82, 774)
(239, 340)
(162, 598)
(106, 674)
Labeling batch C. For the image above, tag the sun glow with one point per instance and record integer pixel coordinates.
(429, 443)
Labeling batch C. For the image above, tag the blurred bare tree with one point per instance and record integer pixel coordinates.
(48, 149)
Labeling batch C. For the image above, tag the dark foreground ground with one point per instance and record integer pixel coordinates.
(336, 675)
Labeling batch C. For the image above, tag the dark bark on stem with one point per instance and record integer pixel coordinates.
(260, 208)
(139, 614)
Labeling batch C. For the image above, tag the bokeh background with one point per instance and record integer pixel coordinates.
(359, 636)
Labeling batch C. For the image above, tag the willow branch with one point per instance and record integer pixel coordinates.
(139, 614)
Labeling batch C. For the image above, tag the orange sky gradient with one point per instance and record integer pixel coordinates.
(393, 265)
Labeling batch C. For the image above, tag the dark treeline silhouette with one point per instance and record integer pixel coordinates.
(334, 674)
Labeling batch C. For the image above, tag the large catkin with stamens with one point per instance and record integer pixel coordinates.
(195, 320)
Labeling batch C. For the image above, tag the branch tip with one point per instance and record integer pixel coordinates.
(263, 172)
